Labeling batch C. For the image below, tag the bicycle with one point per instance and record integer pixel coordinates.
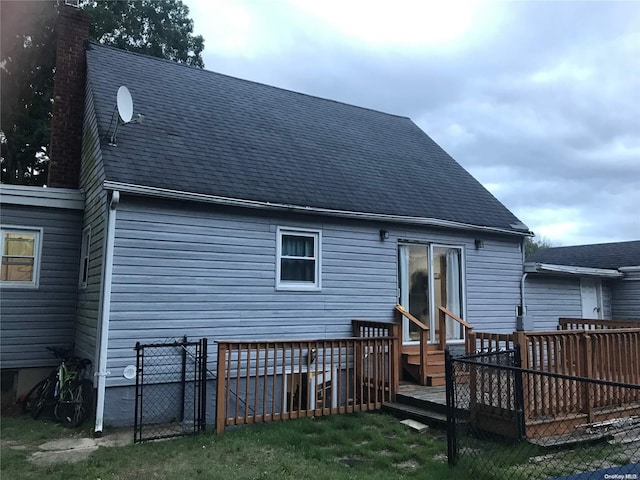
(64, 390)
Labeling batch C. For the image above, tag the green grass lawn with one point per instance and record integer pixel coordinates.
(371, 446)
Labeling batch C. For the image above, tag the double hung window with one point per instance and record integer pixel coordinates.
(21, 249)
(298, 259)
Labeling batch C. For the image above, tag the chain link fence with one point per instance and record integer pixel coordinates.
(170, 389)
(507, 422)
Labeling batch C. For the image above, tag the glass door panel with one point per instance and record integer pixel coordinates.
(447, 288)
(413, 261)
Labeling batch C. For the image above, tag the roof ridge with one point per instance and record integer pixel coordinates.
(211, 72)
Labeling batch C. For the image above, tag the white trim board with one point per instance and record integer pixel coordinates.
(42, 197)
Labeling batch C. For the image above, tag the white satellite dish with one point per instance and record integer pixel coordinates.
(125, 104)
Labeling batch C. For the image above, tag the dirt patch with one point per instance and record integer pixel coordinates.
(69, 450)
(407, 465)
(351, 461)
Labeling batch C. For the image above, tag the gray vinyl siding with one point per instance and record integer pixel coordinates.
(91, 179)
(33, 319)
(549, 298)
(625, 297)
(183, 269)
(606, 301)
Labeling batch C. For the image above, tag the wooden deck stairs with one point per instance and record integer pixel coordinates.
(432, 374)
(424, 361)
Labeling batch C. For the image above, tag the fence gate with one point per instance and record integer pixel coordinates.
(170, 389)
(484, 393)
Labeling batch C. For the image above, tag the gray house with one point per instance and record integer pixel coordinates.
(41, 242)
(585, 281)
(237, 210)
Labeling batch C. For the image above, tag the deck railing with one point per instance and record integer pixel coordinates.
(268, 381)
(604, 354)
(484, 342)
(443, 313)
(424, 339)
(594, 324)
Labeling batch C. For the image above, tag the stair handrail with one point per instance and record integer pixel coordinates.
(468, 329)
(411, 318)
(424, 336)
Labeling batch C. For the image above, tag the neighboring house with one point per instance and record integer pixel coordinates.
(238, 210)
(584, 281)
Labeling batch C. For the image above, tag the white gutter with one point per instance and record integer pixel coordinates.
(238, 202)
(630, 269)
(102, 372)
(570, 270)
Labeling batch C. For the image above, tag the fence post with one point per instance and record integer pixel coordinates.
(183, 378)
(203, 385)
(470, 342)
(588, 373)
(519, 392)
(221, 380)
(137, 422)
(452, 439)
(521, 344)
(396, 358)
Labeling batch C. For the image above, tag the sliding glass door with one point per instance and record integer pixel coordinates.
(431, 276)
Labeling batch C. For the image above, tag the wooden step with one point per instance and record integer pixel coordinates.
(436, 379)
(415, 349)
(432, 367)
(401, 410)
(432, 357)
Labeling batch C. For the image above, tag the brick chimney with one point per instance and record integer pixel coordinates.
(65, 149)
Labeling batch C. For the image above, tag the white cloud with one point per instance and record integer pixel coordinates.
(404, 23)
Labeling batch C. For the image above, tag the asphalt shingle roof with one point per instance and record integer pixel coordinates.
(603, 255)
(209, 133)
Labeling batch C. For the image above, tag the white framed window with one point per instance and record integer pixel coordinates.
(298, 262)
(84, 258)
(21, 254)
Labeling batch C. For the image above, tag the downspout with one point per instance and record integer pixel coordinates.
(106, 311)
(523, 301)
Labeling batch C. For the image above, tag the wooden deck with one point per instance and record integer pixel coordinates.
(436, 395)
(277, 380)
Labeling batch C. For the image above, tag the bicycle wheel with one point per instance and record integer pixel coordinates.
(32, 397)
(72, 412)
(36, 403)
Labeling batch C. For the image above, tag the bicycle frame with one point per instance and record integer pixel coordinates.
(64, 381)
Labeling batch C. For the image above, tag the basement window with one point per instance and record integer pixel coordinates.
(21, 252)
(298, 264)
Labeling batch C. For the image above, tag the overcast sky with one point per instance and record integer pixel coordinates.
(540, 101)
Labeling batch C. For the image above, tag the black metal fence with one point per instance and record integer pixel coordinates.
(170, 389)
(508, 422)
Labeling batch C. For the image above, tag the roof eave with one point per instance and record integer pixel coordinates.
(31, 196)
(551, 269)
(238, 202)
